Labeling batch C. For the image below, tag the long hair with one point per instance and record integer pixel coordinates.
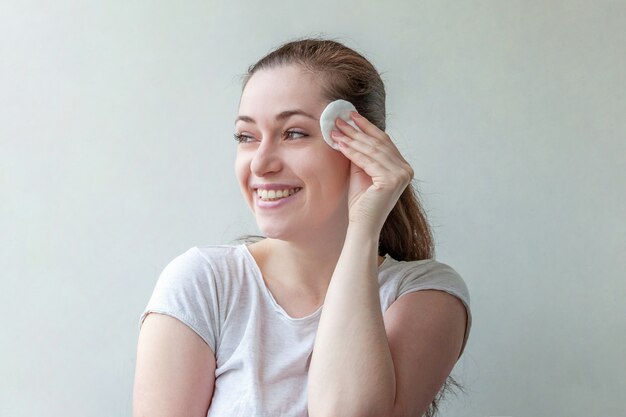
(346, 74)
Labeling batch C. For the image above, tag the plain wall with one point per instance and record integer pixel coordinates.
(116, 155)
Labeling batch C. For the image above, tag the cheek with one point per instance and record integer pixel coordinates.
(238, 169)
(338, 165)
(242, 170)
(335, 171)
(241, 161)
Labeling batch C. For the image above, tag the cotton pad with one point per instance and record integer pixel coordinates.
(335, 109)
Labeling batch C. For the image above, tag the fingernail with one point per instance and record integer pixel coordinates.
(355, 114)
(336, 133)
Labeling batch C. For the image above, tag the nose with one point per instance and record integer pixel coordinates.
(266, 158)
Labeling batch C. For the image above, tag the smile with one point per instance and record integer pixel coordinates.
(273, 195)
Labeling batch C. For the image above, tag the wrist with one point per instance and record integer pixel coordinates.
(365, 235)
(361, 248)
(364, 230)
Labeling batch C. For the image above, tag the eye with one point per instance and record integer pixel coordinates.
(243, 138)
(294, 134)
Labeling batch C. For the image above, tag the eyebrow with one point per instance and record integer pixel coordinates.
(281, 116)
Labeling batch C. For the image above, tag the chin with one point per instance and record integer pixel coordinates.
(270, 230)
(283, 232)
(274, 233)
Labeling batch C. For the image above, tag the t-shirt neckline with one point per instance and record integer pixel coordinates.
(268, 294)
(270, 297)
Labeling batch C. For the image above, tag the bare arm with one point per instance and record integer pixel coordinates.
(175, 371)
(352, 371)
(365, 364)
(425, 330)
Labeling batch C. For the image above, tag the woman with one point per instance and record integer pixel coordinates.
(240, 330)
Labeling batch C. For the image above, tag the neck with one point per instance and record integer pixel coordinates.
(306, 264)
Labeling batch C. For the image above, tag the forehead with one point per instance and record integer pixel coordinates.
(276, 89)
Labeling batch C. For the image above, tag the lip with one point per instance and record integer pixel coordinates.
(273, 186)
(276, 203)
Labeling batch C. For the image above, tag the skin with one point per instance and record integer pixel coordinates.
(325, 240)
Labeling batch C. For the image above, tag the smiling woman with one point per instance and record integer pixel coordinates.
(240, 330)
(282, 150)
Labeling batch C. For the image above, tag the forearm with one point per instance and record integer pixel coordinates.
(352, 371)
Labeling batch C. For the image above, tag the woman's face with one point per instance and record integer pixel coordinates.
(293, 181)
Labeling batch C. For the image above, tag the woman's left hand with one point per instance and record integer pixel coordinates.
(378, 175)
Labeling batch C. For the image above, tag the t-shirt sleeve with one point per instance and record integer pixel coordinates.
(434, 275)
(186, 290)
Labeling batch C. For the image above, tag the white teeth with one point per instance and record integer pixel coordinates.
(276, 194)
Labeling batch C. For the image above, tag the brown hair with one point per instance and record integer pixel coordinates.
(347, 75)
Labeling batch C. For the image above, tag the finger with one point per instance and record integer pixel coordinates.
(366, 126)
(372, 167)
(396, 169)
(375, 148)
(381, 140)
(381, 178)
(369, 154)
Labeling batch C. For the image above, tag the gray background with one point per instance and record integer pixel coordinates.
(116, 155)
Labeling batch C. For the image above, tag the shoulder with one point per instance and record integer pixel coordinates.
(414, 277)
(409, 276)
(198, 287)
(205, 269)
(206, 259)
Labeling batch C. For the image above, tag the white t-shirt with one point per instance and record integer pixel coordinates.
(262, 354)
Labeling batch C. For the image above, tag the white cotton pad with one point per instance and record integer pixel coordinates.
(335, 109)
